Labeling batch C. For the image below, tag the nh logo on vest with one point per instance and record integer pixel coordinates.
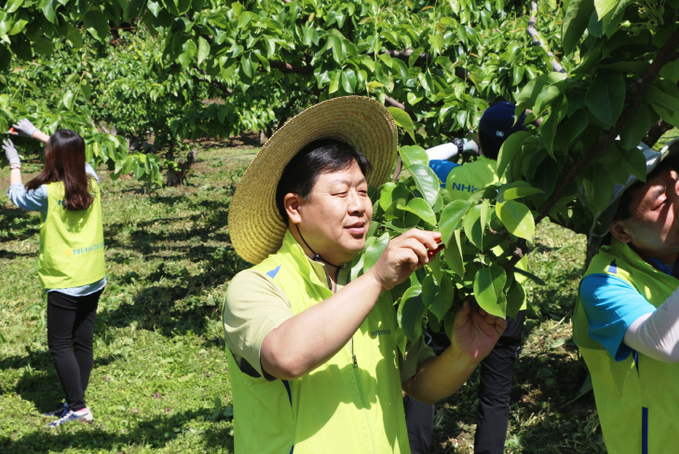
(84, 250)
(464, 187)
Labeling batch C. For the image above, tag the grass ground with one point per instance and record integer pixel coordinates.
(160, 381)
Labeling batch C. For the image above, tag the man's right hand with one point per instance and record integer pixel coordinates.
(403, 255)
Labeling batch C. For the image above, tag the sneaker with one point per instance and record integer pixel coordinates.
(59, 411)
(84, 415)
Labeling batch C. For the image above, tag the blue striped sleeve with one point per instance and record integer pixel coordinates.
(612, 305)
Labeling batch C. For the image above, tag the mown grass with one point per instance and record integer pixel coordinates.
(160, 381)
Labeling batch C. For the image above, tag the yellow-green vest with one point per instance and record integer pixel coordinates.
(71, 242)
(638, 398)
(340, 407)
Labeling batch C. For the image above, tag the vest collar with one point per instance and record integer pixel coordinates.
(317, 271)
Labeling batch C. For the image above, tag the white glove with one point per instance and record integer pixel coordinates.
(11, 152)
(25, 128)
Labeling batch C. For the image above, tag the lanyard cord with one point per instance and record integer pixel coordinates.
(316, 257)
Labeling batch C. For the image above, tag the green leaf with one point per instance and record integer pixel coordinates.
(509, 150)
(453, 254)
(517, 218)
(95, 22)
(575, 22)
(374, 251)
(403, 120)
(421, 208)
(203, 49)
(663, 99)
(386, 195)
(550, 127)
(189, 49)
(489, 283)
(410, 313)
(43, 46)
(598, 188)
(606, 97)
(48, 9)
(13, 5)
(246, 66)
(516, 296)
(413, 154)
(414, 56)
(603, 7)
(426, 181)
(245, 18)
(636, 129)
(348, 80)
(473, 228)
(334, 82)
(450, 218)
(438, 296)
(68, 100)
(518, 192)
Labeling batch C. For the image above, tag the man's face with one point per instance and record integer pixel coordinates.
(653, 228)
(336, 215)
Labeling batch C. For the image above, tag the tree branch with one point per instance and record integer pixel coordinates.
(392, 102)
(288, 68)
(636, 93)
(656, 131)
(537, 40)
(214, 83)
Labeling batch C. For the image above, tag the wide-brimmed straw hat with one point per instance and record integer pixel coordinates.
(255, 225)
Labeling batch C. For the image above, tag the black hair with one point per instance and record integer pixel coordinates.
(320, 156)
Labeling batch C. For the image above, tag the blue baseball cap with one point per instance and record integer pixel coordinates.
(498, 121)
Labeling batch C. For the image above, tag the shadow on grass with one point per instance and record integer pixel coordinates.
(17, 225)
(155, 432)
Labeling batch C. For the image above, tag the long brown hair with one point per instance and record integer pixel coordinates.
(65, 161)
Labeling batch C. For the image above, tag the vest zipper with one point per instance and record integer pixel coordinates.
(361, 394)
(357, 373)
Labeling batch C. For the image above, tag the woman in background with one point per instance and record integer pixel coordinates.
(71, 259)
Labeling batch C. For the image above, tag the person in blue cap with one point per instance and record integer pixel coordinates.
(497, 123)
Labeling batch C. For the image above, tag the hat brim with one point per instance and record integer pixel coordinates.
(255, 225)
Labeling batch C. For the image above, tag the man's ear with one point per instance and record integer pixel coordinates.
(291, 202)
(620, 232)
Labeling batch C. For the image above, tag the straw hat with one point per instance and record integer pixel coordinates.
(255, 225)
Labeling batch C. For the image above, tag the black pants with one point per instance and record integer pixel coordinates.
(495, 385)
(70, 334)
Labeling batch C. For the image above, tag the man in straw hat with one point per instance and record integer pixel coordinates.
(626, 320)
(313, 357)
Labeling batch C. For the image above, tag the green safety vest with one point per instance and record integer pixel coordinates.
(340, 407)
(71, 242)
(637, 400)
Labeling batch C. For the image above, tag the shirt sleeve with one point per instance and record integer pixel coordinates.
(254, 306)
(415, 354)
(612, 305)
(90, 171)
(31, 200)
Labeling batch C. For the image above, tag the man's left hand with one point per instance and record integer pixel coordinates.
(475, 331)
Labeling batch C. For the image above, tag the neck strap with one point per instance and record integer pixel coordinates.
(316, 257)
